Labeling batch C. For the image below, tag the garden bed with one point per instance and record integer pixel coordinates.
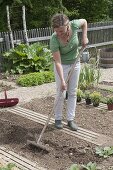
(66, 149)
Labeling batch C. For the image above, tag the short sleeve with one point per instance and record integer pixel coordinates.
(54, 44)
(76, 23)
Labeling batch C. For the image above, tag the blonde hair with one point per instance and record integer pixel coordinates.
(59, 20)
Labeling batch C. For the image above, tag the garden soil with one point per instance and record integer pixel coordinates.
(65, 149)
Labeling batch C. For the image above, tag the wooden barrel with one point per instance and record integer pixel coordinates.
(106, 57)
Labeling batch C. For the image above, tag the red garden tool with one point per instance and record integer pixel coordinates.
(8, 102)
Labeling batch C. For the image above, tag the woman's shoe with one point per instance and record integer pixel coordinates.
(72, 125)
(58, 124)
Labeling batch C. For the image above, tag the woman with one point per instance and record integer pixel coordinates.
(64, 46)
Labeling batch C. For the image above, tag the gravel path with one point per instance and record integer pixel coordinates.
(25, 94)
(106, 74)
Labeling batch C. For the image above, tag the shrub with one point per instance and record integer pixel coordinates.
(34, 79)
(25, 59)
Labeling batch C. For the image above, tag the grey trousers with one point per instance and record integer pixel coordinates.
(72, 90)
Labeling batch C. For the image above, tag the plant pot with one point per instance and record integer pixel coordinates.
(110, 106)
(95, 104)
(79, 99)
(88, 101)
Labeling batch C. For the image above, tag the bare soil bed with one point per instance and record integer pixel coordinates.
(65, 149)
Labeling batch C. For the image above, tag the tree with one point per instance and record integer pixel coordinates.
(111, 9)
(93, 11)
(15, 13)
(40, 14)
(24, 26)
(3, 18)
(9, 26)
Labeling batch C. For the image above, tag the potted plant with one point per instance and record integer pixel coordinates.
(96, 97)
(79, 95)
(110, 103)
(87, 96)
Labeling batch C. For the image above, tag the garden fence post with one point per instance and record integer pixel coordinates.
(1, 59)
(7, 42)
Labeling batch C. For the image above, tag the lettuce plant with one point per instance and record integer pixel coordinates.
(104, 152)
(33, 79)
(90, 166)
(74, 167)
(9, 166)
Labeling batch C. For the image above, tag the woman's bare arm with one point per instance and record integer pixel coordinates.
(57, 60)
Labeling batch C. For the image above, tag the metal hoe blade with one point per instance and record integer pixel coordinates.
(38, 145)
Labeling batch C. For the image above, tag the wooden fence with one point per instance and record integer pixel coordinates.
(99, 34)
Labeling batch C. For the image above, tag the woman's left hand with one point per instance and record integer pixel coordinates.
(85, 42)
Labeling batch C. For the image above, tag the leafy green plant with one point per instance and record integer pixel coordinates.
(92, 60)
(104, 152)
(74, 167)
(109, 100)
(96, 97)
(87, 97)
(89, 76)
(25, 59)
(87, 94)
(79, 95)
(103, 100)
(90, 166)
(9, 166)
(33, 79)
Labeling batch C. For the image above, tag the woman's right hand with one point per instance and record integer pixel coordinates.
(63, 85)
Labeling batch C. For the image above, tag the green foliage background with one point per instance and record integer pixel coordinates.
(39, 12)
